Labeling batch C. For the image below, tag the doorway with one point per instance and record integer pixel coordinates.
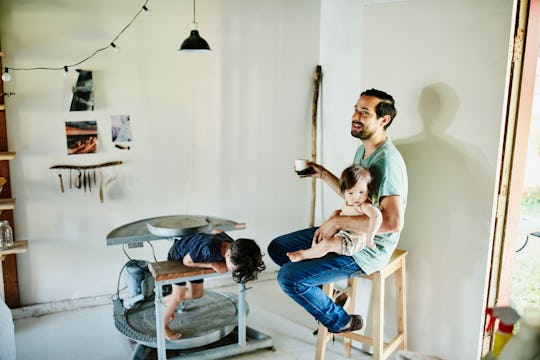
(514, 273)
(525, 288)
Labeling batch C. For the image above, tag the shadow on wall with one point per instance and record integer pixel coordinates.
(446, 224)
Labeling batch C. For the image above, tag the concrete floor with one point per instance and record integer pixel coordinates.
(89, 333)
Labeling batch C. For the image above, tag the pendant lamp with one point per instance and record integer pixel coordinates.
(194, 43)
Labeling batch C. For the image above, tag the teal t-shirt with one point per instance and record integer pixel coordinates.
(389, 177)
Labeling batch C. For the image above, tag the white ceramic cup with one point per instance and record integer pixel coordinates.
(300, 164)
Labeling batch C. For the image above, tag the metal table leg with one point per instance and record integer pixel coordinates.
(160, 323)
(242, 315)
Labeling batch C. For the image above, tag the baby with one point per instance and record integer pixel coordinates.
(354, 185)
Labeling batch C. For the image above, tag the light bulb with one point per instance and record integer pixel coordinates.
(147, 11)
(5, 76)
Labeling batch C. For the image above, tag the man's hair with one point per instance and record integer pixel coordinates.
(351, 175)
(385, 107)
(247, 258)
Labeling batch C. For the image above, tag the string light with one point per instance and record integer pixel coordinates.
(147, 11)
(115, 48)
(144, 8)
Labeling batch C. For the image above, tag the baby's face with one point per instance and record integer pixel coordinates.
(358, 194)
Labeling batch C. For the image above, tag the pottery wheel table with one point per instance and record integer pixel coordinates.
(164, 227)
(203, 322)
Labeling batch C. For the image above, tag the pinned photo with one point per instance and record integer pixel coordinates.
(81, 137)
(80, 91)
(120, 128)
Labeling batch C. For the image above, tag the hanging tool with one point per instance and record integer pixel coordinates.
(84, 176)
(89, 182)
(100, 186)
(61, 182)
(78, 180)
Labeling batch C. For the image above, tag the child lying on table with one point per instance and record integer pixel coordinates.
(217, 251)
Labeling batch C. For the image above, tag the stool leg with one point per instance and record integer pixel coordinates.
(351, 293)
(378, 316)
(322, 334)
(401, 304)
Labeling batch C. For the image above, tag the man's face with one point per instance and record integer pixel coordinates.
(364, 120)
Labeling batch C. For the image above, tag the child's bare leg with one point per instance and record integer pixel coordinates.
(173, 300)
(318, 250)
(370, 243)
(195, 291)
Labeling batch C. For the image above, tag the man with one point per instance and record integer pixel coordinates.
(373, 113)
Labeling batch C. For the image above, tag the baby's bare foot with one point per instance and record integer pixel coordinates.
(371, 244)
(171, 335)
(296, 255)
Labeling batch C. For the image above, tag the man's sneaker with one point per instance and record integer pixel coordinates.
(357, 322)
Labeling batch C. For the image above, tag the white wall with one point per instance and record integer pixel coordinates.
(212, 134)
(216, 134)
(445, 63)
(341, 61)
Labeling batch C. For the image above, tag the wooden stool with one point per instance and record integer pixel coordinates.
(381, 350)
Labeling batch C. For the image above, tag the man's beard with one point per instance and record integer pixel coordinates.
(363, 134)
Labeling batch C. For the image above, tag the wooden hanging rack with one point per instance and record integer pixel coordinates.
(86, 167)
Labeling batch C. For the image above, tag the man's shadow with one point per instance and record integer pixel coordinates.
(445, 221)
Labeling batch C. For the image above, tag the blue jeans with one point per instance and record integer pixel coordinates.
(302, 280)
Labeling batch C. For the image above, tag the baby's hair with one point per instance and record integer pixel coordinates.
(247, 256)
(351, 175)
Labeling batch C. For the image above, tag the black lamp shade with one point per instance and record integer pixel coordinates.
(194, 43)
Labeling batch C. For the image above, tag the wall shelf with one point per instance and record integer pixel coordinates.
(7, 204)
(9, 155)
(19, 247)
(10, 280)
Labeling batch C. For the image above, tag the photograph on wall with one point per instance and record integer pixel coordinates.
(79, 90)
(120, 128)
(81, 137)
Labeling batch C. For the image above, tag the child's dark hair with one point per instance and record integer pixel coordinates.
(351, 175)
(247, 256)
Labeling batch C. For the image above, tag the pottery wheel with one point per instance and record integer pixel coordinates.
(201, 321)
(177, 225)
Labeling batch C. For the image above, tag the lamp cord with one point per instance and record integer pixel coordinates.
(193, 132)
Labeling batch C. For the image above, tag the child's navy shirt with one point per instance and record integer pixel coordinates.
(200, 247)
